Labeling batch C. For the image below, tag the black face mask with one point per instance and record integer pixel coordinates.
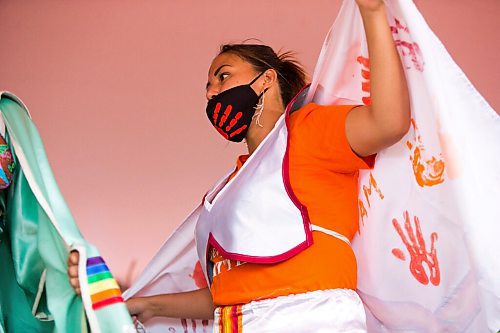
(232, 110)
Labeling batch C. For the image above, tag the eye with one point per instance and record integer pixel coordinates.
(223, 76)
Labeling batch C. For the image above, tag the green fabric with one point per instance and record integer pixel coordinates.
(99, 277)
(35, 236)
(19, 277)
(15, 302)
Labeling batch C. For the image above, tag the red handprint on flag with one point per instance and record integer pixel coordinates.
(365, 74)
(408, 48)
(185, 327)
(198, 276)
(415, 245)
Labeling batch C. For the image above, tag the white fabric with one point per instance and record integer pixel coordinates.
(172, 269)
(245, 215)
(443, 174)
(321, 311)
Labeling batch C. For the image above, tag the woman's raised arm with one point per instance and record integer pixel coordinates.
(370, 129)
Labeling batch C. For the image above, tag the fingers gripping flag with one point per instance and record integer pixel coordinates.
(428, 215)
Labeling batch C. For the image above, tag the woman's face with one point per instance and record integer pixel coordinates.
(227, 71)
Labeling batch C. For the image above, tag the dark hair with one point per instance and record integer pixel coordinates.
(291, 75)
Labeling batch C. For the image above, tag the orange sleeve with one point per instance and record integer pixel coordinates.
(322, 132)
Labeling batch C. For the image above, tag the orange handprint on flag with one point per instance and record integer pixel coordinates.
(415, 245)
(428, 172)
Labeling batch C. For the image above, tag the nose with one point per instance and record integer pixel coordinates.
(211, 92)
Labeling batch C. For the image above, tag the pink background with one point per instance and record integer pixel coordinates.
(116, 89)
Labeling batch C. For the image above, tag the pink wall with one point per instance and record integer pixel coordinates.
(117, 91)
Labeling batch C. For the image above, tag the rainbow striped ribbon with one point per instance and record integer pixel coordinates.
(103, 288)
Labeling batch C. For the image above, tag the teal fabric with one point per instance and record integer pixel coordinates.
(15, 302)
(36, 236)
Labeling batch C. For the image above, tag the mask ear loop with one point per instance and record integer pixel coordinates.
(253, 81)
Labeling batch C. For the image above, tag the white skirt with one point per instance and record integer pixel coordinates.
(334, 310)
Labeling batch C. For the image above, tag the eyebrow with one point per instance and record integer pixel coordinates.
(217, 72)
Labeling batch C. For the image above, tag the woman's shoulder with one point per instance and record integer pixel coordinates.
(321, 129)
(312, 113)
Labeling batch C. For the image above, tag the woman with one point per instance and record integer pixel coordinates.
(273, 237)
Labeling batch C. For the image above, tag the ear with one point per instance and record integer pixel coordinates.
(270, 78)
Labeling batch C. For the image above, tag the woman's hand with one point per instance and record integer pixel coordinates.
(195, 304)
(74, 281)
(140, 309)
(371, 5)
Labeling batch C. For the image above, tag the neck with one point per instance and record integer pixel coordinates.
(268, 119)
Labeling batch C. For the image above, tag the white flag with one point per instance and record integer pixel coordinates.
(429, 210)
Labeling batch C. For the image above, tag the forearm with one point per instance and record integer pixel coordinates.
(196, 304)
(388, 89)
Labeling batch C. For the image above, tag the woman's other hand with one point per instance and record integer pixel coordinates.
(74, 281)
(195, 304)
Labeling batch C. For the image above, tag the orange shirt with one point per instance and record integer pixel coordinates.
(324, 177)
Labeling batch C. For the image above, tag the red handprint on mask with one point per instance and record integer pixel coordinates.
(224, 128)
(415, 245)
